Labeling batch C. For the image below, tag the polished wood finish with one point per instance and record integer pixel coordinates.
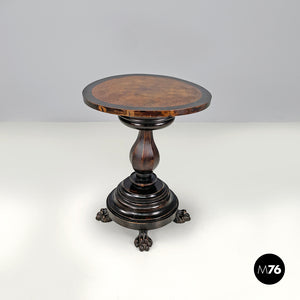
(144, 154)
(142, 95)
(142, 201)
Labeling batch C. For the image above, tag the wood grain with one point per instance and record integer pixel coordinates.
(142, 95)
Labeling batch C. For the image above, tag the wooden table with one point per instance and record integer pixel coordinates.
(144, 102)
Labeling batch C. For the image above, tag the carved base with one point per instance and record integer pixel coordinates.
(142, 201)
(143, 241)
(103, 216)
(182, 216)
(137, 205)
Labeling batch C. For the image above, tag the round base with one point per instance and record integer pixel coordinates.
(141, 206)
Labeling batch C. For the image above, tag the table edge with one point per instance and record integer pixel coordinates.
(131, 111)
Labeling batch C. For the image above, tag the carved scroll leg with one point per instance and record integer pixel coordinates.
(182, 216)
(103, 215)
(143, 241)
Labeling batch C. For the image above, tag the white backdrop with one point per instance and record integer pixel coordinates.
(239, 182)
(245, 52)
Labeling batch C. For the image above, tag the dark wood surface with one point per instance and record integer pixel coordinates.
(142, 201)
(142, 95)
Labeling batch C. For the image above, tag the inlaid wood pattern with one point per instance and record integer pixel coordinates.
(142, 95)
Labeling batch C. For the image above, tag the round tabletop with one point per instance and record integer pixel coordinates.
(143, 95)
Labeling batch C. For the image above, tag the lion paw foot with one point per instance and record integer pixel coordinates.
(103, 215)
(182, 216)
(143, 241)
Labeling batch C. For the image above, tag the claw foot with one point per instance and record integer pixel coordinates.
(143, 241)
(103, 215)
(182, 216)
